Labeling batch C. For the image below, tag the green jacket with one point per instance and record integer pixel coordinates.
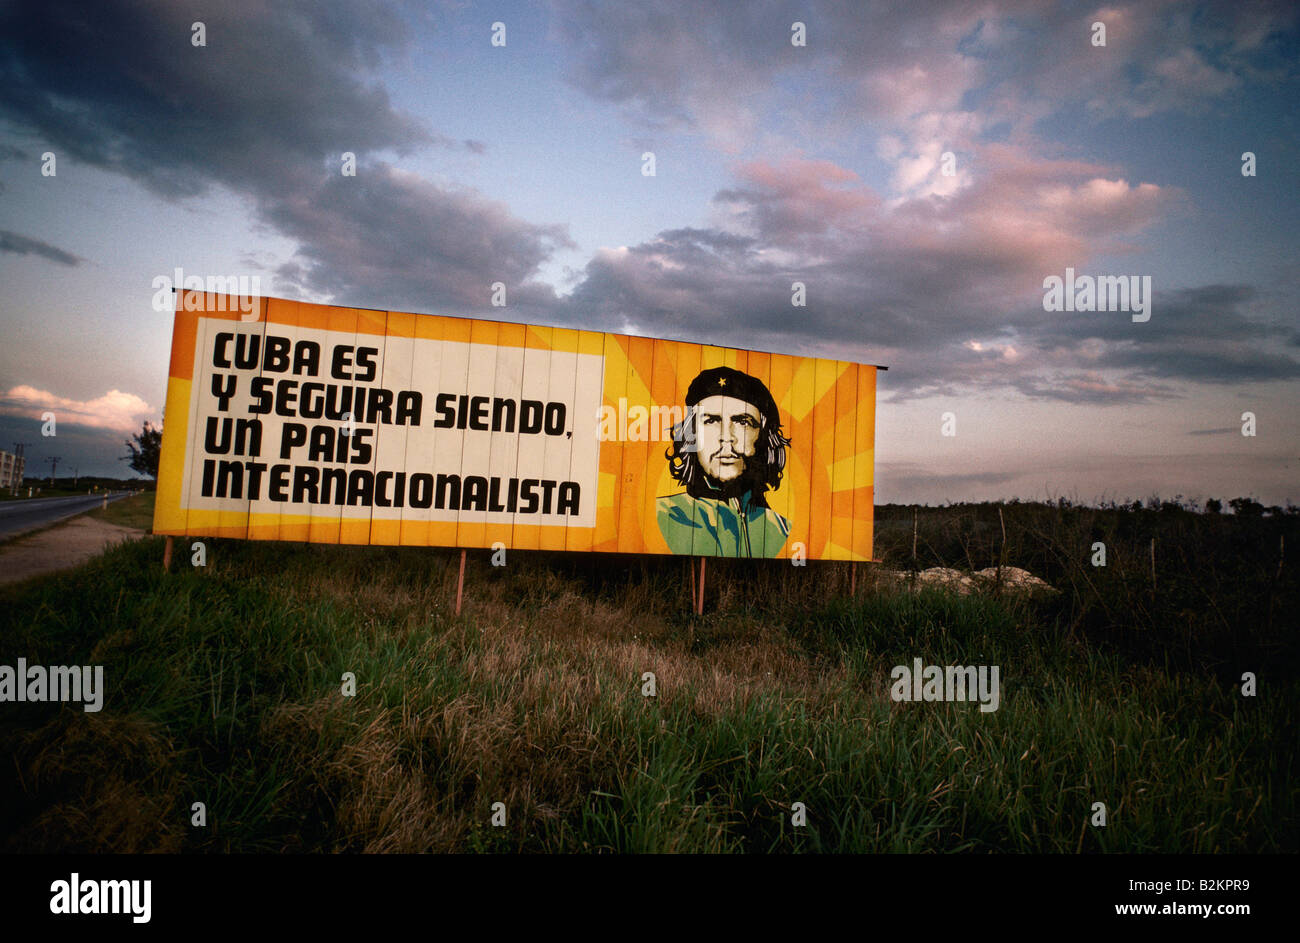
(709, 527)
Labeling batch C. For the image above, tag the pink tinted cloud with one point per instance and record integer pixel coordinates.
(115, 410)
(1017, 220)
(794, 197)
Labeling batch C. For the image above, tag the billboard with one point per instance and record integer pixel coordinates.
(327, 424)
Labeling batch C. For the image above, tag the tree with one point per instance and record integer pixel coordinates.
(1246, 507)
(145, 446)
(1213, 506)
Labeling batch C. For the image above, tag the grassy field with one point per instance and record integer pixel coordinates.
(135, 511)
(224, 687)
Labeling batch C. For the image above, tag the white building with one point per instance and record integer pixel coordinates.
(11, 470)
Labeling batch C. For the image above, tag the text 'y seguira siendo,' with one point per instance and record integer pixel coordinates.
(338, 410)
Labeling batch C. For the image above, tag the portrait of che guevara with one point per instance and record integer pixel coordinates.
(727, 453)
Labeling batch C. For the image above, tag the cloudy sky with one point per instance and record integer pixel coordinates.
(774, 163)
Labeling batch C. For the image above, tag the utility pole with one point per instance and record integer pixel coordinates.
(54, 465)
(76, 473)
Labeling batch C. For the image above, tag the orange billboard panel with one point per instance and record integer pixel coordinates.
(318, 423)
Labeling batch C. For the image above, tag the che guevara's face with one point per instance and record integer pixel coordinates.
(726, 435)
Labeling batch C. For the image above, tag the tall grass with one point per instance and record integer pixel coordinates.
(224, 688)
(1221, 590)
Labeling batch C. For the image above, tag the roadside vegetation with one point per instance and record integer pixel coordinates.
(135, 511)
(224, 687)
(71, 487)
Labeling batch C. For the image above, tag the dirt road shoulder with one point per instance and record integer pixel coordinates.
(55, 548)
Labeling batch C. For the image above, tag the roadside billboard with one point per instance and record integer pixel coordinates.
(319, 423)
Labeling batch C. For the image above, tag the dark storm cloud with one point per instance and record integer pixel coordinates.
(948, 292)
(682, 63)
(692, 283)
(1093, 388)
(84, 449)
(267, 108)
(409, 243)
(1214, 312)
(1210, 334)
(261, 107)
(945, 289)
(919, 477)
(706, 283)
(23, 245)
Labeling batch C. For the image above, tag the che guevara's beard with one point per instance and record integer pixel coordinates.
(736, 466)
(749, 480)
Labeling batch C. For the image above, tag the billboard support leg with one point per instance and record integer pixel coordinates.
(460, 582)
(690, 568)
(853, 580)
(699, 605)
(167, 554)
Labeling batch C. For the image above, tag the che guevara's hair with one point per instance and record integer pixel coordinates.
(763, 472)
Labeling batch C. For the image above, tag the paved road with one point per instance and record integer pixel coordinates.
(30, 513)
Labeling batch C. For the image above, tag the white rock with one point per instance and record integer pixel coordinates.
(1013, 579)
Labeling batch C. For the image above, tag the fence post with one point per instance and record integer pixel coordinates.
(460, 582)
(690, 567)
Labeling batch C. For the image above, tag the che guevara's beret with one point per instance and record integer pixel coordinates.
(724, 381)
